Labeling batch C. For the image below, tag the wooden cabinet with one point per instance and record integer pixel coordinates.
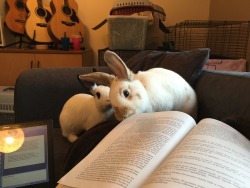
(56, 60)
(15, 61)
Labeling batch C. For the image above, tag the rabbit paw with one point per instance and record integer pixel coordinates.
(72, 137)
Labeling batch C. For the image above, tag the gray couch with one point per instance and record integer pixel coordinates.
(41, 93)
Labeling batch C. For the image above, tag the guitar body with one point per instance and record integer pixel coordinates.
(16, 16)
(36, 26)
(64, 20)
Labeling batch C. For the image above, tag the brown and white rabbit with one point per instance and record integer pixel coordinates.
(157, 89)
(84, 111)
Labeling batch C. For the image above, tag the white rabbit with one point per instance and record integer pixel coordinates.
(157, 89)
(83, 111)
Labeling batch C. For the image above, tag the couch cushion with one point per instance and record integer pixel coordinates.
(41, 93)
(61, 146)
(188, 64)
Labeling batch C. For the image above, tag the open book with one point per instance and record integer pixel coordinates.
(165, 149)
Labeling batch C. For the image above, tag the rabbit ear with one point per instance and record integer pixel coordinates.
(117, 66)
(98, 77)
(88, 84)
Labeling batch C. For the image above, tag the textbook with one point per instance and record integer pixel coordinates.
(165, 149)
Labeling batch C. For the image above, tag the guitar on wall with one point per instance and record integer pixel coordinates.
(64, 21)
(16, 16)
(36, 26)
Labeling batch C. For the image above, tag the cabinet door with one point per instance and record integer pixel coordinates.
(58, 60)
(12, 64)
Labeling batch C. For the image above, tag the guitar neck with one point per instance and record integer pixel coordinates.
(66, 3)
(40, 3)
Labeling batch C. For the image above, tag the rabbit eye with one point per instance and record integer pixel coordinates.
(126, 93)
(98, 95)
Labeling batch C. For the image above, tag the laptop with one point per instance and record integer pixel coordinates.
(32, 164)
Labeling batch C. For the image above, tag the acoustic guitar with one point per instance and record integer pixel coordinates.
(37, 21)
(16, 16)
(64, 21)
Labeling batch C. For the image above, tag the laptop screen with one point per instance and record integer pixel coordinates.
(32, 164)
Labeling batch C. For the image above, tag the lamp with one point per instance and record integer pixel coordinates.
(11, 138)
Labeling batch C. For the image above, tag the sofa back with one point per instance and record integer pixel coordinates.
(41, 93)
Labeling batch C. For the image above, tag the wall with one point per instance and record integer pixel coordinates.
(92, 12)
(229, 10)
(180, 10)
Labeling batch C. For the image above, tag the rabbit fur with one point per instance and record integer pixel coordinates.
(84, 111)
(156, 89)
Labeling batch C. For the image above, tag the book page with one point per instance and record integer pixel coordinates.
(212, 155)
(131, 151)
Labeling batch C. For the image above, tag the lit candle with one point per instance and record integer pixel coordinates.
(11, 139)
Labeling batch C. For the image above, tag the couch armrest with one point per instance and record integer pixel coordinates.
(223, 94)
(41, 93)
